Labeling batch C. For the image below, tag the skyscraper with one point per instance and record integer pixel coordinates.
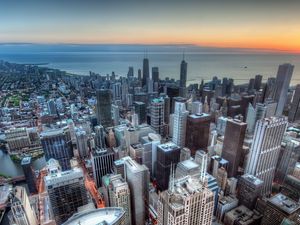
(140, 110)
(279, 207)
(145, 71)
(22, 213)
(187, 201)
(102, 163)
(233, 144)
(257, 82)
(158, 115)
(138, 179)
(284, 75)
(294, 113)
(265, 150)
(99, 138)
(288, 157)
(183, 77)
(155, 74)
(179, 124)
(81, 143)
(119, 194)
(167, 154)
(66, 191)
(29, 174)
(249, 189)
(57, 144)
(103, 110)
(197, 132)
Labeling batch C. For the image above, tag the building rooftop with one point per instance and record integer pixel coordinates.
(59, 177)
(105, 216)
(252, 179)
(26, 160)
(169, 146)
(189, 164)
(284, 203)
(199, 115)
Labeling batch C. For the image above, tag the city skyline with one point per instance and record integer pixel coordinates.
(272, 25)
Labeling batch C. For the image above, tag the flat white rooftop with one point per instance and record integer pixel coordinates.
(107, 216)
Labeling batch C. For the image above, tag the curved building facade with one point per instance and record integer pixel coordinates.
(109, 216)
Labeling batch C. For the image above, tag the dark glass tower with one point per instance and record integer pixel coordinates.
(233, 144)
(57, 144)
(104, 107)
(183, 77)
(29, 175)
(145, 71)
(197, 132)
(167, 154)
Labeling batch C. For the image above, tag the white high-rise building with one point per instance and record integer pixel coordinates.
(119, 195)
(179, 125)
(157, 111)
(138, 179)
(187, 202)
(22, 213)
(81, 142)
(265, 150)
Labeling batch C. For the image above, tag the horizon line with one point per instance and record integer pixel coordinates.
(271, 50)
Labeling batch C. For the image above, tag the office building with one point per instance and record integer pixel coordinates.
(138, 178)
(102, 163)
(283, 78)
(242, 216)
(179, 124)
(117, 91)
(81, 143)
(265, 150)
(225, 204)
(183, 78)
(168, 154)
(187, 168)
(291, 187)
(107, 216)
(294, 112)
(155, 74)
(146, 71)
(66, 191)
(22, 212)
(17, 138)
(257, 82)
(140, 110)
(118, 194)
(222, 176)
(249, 189)
(52, 107)
(233, 145)
(197, 132)
(288, 157)
(187, 201)
(185, 154)
(99, 136)
(253, 115)
(103, 107)
(57, 144)
(158, 115)
(279, 207)
(29, 174)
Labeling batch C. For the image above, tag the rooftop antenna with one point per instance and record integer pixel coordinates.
(183, 55)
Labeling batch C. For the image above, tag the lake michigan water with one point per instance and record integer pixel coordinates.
(203, 63)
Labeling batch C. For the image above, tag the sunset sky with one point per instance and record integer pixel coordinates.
(267, 24)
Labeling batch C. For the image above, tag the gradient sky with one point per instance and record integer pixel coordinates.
(268, 24)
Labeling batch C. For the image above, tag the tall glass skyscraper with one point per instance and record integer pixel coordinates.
(103, 111)
(57, 144)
